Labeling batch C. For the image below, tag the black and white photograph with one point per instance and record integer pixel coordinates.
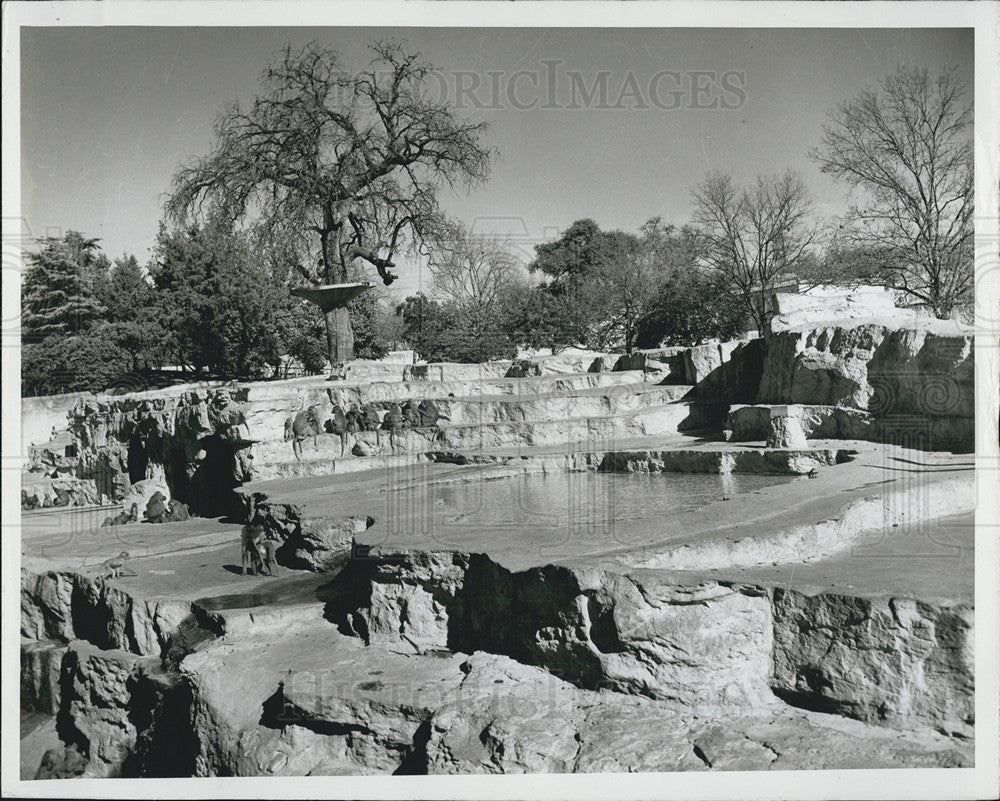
(416, 394)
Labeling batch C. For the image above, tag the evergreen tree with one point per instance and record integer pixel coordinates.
(58, 291)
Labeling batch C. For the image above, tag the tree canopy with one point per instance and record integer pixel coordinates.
(756, 235)
(347, 160)
(58, 293)
(908, 147)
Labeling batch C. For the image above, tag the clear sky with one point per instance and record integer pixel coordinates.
(109, 113)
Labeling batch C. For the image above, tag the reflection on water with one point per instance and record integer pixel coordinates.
(558, 503)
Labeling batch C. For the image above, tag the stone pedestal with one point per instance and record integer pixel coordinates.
(786, 430)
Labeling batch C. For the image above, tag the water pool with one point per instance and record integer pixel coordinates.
(550, 515)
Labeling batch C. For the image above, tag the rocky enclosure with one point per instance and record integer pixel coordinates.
(396, 658)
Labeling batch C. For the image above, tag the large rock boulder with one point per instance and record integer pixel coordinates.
(885, 660)
(840, 305)
(872, 367)
(701, 360)
(141, 491)
(703, 644)
(786, 432)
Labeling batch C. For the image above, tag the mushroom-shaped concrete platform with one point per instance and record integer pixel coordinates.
(331, 296)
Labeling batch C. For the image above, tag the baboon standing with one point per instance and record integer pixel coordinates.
(266, 547)
(250, 536)
(113, 567)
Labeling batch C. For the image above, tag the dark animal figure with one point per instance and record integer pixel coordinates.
(431, 417)
(428, 412)
(267, 546)
(250, 537)
(354, 419)
(411, 414)
(370, 420)
(177, 512)
(814, 473)
(59, 763)
(156, 507)
(393, 422)
(305, 424)
(339, 425)
(123, 518)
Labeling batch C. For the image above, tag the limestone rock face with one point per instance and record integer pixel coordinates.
(115, 705)
(70, 606)
(41, 663)
(871, 367)
(703, 644)
(750, 423)
(917, 383)
(193, 442)
(726, 372)
(44, 493)
(878, 660)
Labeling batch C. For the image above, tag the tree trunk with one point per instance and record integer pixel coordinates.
(339, 336)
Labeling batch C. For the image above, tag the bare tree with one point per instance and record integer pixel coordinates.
(908, 147)
(351, 162)
(756, 235)
(627, 282)
(473, 270)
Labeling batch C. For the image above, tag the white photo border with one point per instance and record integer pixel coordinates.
(982, 781)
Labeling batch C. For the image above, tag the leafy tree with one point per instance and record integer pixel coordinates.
(690, 307)
(603, 282)
(302, 333)
(576, 265)
(58, 296)
(220, 303)
(579, 252)
(908, 147)
(347, 160)
(90, 361)
(540, 318)
(369, 313)
(757, 235)
(442, 332)
(126, 290)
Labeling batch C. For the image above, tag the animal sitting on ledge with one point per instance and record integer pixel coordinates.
(122, 518)
(393, 422)
(159, 511)
(339, 424)
(305, 424)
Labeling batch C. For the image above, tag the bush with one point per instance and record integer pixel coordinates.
(444, 332)
(689, 308)
(91, 361)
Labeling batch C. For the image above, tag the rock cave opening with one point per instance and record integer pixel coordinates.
(210, 486)
(138, 458)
